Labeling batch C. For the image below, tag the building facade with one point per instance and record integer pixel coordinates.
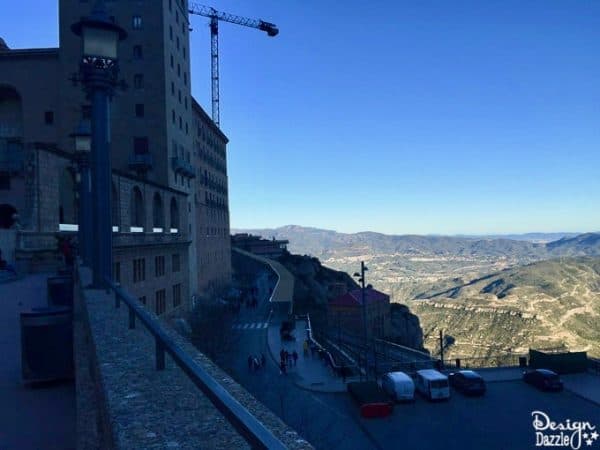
(162, 142)
(345, 313)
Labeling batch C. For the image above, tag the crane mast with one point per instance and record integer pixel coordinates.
(215, 16)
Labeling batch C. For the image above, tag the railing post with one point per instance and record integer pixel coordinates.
(160, 354)
(131, 318)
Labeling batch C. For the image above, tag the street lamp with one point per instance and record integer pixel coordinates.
(98, 72)
(83, 146)
(361, 279)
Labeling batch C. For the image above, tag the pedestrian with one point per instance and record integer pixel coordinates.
(255, 363)
(282, 355)
(282, 368)
(263, 360)
(305, 347)
(295, 356)
(250, 363)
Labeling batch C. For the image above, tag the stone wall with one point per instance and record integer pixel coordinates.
(128, 404)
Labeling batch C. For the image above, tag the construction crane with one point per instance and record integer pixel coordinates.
(215, 16)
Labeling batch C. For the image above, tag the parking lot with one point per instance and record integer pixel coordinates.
(499, 420)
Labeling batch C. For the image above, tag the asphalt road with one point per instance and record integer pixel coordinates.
(500, 420)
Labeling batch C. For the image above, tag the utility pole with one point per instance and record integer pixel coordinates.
(442, 347)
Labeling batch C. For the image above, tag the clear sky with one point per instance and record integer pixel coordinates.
(400, 117)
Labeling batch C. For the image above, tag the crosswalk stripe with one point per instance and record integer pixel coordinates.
(245, 326)
(265, 325)
(252, 325)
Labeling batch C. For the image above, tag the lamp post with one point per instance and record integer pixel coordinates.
(98, 72)
(361, 279)
(83, 147)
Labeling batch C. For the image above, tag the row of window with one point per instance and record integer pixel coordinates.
(160, 299)
(139, 268)
(138, 211)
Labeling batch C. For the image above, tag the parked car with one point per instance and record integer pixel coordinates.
(468, 382)
(543, 379)
(433, 384)
(371, 399)
(399, 386)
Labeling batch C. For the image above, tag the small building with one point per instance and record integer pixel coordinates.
(345, 313)
(258, 246)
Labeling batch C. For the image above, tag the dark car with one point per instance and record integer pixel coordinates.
(543, 379)
(467, 382)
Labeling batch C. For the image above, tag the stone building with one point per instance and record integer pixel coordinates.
(170, 199)
(345, 313)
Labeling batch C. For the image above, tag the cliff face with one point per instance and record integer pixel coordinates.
(406, 329)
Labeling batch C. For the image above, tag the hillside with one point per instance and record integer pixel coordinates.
(553, 303)
(410, 266)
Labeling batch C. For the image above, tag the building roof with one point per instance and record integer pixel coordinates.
(354, 297)
(6, 52)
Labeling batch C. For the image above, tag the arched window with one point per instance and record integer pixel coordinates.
(158, 216)
(115, 208)
(11, 113)
(7, 215)
(174, 216)
(137, 210)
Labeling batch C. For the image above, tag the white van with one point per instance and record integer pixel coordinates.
(399, 386)
(433, 384)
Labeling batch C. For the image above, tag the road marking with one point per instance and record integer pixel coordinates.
(245, 326)
(252, 325)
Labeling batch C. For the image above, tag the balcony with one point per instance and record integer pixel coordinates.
(183, 167)
(11, 156)
(140, 162)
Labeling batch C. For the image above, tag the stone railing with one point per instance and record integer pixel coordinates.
(125, 402)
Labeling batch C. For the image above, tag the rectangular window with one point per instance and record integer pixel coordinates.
(161, 296)
(180, 123)
(178, 70)
(140, 145)
(185, 78)
(183, 49)
(177, 42)
(142, 300)
(139, 110)
(49, 117)
(139, 270)
(138, 81)
(137, 52)
(172, 62)
(172, 88)
(170, 32)
(159, 266)
(173, 115)
(176, 262)
(176, 295)
(136, 22)
(117, 272)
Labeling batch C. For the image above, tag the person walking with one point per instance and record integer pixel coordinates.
(282, 355)
(305, 347)
(295, 357)
(282, 367)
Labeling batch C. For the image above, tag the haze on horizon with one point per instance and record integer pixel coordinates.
(404, 117)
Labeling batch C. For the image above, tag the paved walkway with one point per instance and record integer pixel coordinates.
(310, 372)
(30, 418)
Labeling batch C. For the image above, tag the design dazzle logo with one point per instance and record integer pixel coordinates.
(570, 434)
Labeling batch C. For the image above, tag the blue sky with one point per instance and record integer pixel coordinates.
(401, 117)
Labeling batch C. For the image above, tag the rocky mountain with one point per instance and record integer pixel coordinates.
(552, 303)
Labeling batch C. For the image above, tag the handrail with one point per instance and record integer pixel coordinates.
(248, 426)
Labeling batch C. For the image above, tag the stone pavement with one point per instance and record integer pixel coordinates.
(310, 372)
(30, 418)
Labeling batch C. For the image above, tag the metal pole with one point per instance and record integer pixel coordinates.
(102, 226)
(85, 211)
(442, 347)
(364, 308)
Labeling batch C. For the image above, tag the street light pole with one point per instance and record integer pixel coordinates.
(83, 146)
(98, 71)
(361, 278)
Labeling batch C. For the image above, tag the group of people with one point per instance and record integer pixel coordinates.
(255, 362)
(287, 359)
